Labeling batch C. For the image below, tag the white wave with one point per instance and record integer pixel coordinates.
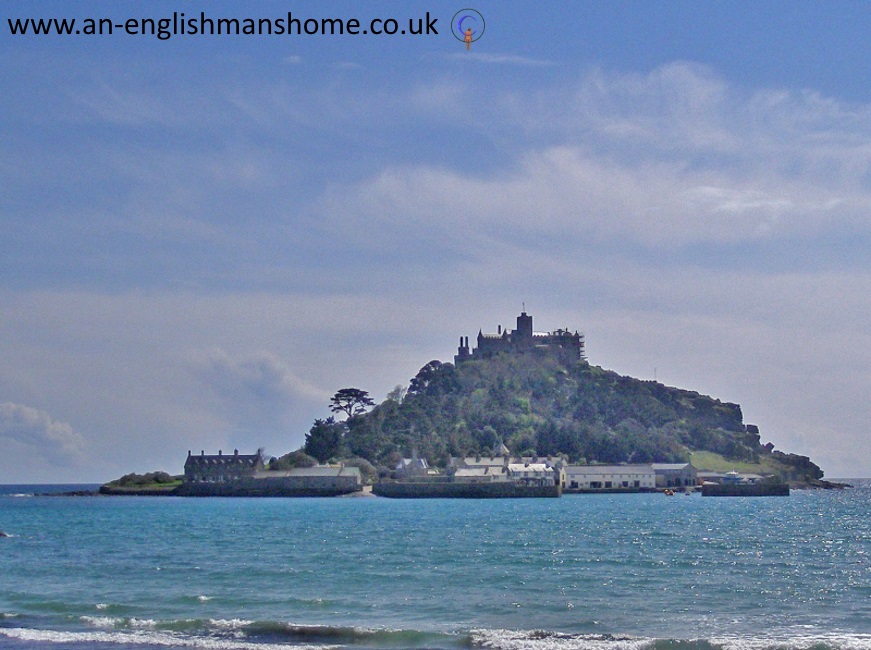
(101, 621)
(145, 638)
(102, 606)
(204, 599)
(844, 641)
(229, 624)
(544, 640)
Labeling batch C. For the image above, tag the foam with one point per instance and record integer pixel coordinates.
(145, 638)
(544, 640)
(797, 642)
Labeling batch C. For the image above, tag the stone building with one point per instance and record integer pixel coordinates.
(610, 477)
(220, 468)
(246, 475)
(563, 342)
(675, 475)
(318, 480)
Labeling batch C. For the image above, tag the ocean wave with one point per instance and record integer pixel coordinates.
(239, 633)
(546, 640)
(242, 634)
(832, 641)
(153, 639)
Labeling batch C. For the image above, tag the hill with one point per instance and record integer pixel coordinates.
(544, 404)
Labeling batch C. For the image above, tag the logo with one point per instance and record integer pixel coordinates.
(467, 19)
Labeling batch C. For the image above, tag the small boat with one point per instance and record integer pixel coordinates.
(668, 493)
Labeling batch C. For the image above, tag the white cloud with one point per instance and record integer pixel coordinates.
(40, 433)
(260, 380)
(673, 158)
(673, 216)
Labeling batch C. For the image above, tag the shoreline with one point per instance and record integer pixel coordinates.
(367, 491)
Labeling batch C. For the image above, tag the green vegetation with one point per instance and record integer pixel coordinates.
(350, 401)
(293, 459)
(149, 481)
(536, 404)
(708, 461)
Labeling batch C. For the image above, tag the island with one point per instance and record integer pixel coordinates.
(521, 413)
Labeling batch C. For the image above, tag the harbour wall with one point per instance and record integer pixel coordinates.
(462, 490)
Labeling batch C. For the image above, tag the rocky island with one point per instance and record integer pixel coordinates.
(521, 396)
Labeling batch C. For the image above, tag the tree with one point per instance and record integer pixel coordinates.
(434, 378)
(351, 401)
(397, 394)
(424, 376)
(324, 439)
(294, 459)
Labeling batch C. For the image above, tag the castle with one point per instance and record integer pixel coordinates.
(561, 342)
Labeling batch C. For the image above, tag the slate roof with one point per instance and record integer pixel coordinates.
(600, 470)
(222, 460)
(318, 471)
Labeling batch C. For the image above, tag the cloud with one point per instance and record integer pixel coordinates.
(36, 430)
(252, 389)
(671, 159)
(715, 232)
(131, 108)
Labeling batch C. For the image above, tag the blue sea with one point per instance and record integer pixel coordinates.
(597, 572)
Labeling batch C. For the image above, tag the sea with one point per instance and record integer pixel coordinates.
(586, 572)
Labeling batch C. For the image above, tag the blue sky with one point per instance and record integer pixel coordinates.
(203, 238)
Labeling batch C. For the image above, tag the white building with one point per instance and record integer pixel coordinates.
(413, 466)
(529, 470)
(675, 475)
(482, 474)
(610, 477)
(533, 473)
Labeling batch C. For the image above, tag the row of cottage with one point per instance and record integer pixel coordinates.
(216, 473)
(555, 471)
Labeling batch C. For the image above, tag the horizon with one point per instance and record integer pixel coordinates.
(206, 236)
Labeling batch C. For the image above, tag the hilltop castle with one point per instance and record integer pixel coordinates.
(561, 342)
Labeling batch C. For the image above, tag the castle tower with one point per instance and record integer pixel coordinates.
(463, 352)
(524, 326)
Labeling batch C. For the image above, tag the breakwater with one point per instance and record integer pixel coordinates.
(749, 490)
(462, 490)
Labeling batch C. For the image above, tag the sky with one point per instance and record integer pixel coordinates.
(203, 237)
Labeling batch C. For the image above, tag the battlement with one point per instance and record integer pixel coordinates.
(523, 339)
